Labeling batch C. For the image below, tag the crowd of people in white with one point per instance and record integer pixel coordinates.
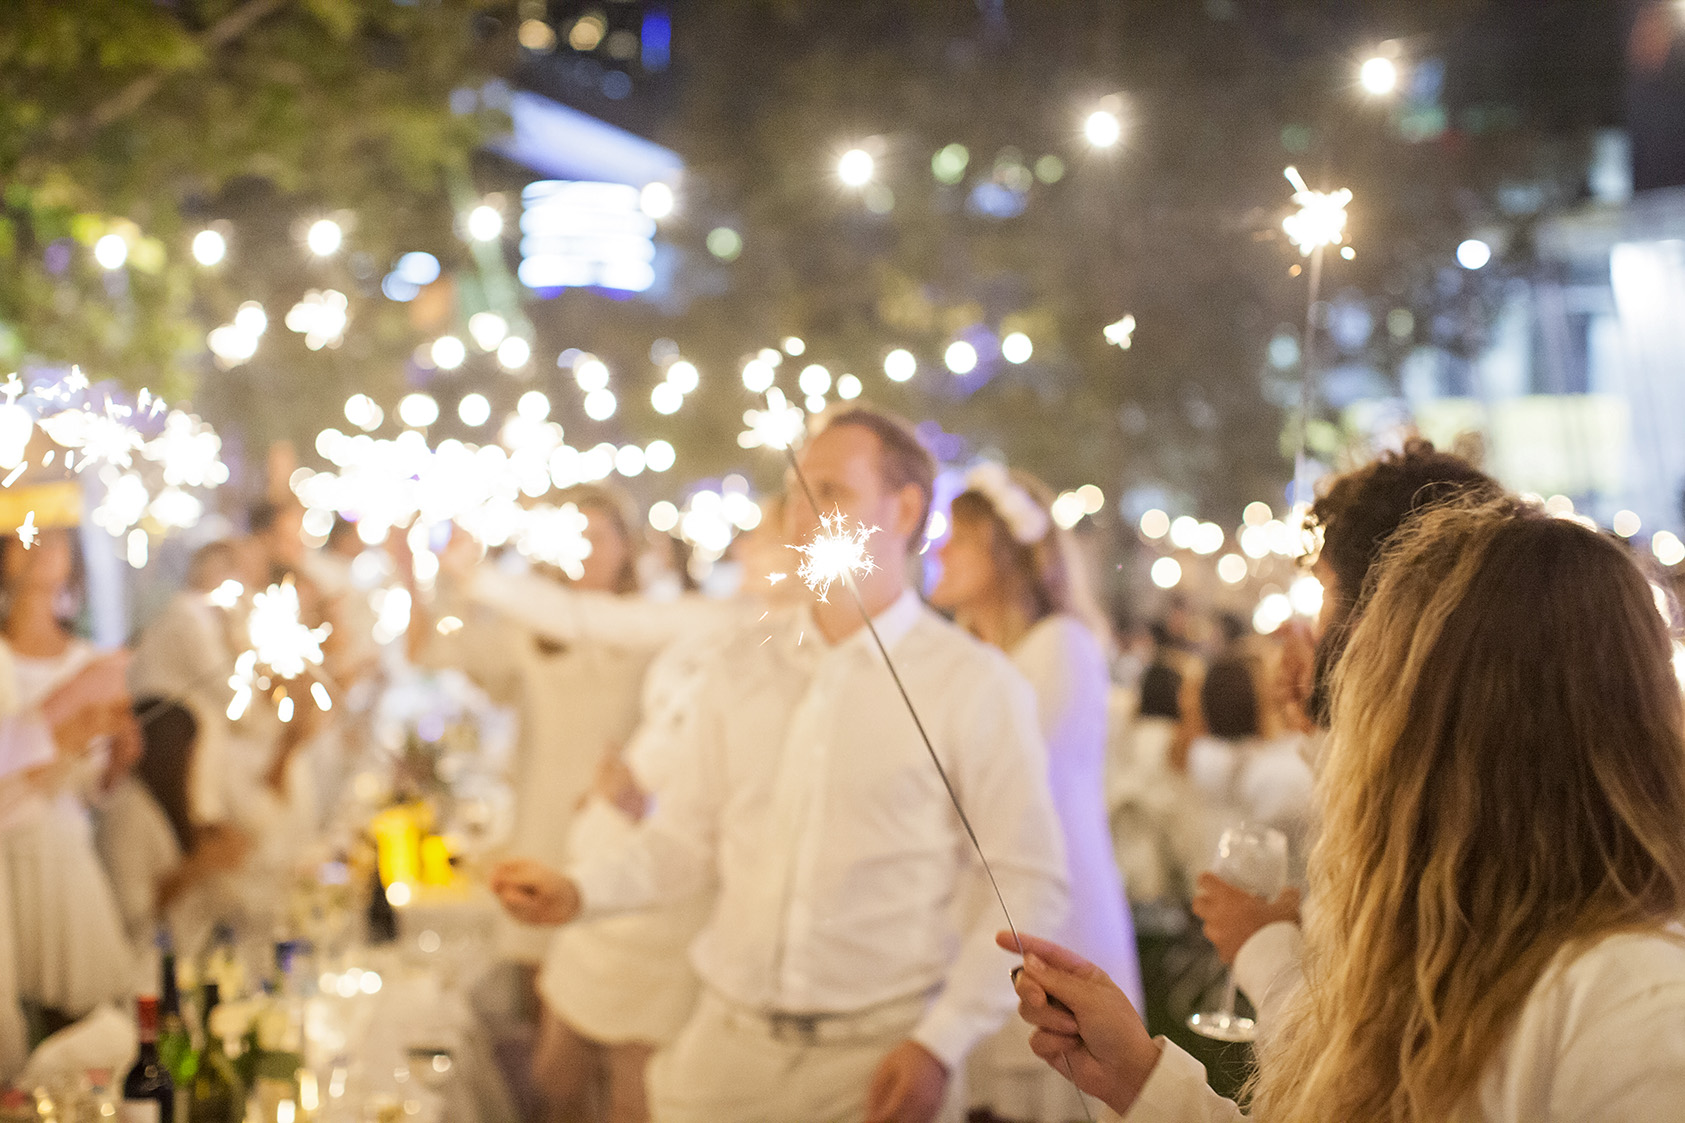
(738, 890)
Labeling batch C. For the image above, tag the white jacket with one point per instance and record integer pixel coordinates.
(1601, 1039)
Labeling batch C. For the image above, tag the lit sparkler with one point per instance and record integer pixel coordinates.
(28, 533)
(282, 645)
(1321, 218)
(1121, 334)
(777, 426)
(836, 553)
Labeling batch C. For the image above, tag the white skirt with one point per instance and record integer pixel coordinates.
(72, 952)
(625, 978)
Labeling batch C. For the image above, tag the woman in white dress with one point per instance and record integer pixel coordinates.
(1500, 870)
(162, 855)
(1009, 578)
(72, 951)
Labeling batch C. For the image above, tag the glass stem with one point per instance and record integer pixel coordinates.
(1228, 997)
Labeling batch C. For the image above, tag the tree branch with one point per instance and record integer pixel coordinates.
(223, 31)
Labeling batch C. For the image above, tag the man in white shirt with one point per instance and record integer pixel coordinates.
(846, 974)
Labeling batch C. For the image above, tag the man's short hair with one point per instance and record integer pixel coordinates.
(902, 458)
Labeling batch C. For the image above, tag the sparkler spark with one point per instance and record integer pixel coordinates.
(1321, 218)
(836, 553)
(27, 533)
(102, 437)
(777, 426)
(281, 644)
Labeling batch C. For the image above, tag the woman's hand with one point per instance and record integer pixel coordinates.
(533, 893)
(618, 786)
(1097, 1040)
(1232, 915)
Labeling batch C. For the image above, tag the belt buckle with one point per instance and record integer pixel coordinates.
(803, 1029)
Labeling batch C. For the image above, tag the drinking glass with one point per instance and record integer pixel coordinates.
(1253, 858)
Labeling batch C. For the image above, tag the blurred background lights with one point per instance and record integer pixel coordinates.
(417, 268)
(960, 357)
(1208, 539)
(948, 165)
(725, 243)
(1155, 523)
(1272, 612)
(1017, 348)
(1667, 547)
(1167, 573)
(899, 365)
(1255, 541)
(1231, 568)
(591, 374)
(448, 352)
(848, 387)
(474, 410)
(488, 329)
(794, 345)
(659, 456)
(758, 376)
(485, 224)
(657, 200)
(1378, 76)
(629, 461)
(1103, 129)
(251, 318)
(1474, 254)
(418, 410)
(1183, 531)
(814, 380)
(855, 167)
(361, 411)
(513, 353)
(536, 35)
(1256, 513)
(111, 251)
(1626, 523)
(1305, 594)
(600, 405)
(1093, 499)
(324, 237)
(663, 516)
(533, 406)
(209, 247)
(666, 398)
(1067, 509)
(682, 375)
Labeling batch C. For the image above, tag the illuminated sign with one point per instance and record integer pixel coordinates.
(577, 234)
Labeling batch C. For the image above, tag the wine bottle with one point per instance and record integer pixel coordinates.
(218, 1096)
(175, 1046)
(148, 1094)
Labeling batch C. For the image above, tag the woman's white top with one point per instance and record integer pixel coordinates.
(1601, 1039)
(72, 951)
(1065, 664)
(141, 851)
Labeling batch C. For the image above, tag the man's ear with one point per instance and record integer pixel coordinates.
(909, 512)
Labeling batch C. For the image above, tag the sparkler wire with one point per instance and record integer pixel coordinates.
(930, 748)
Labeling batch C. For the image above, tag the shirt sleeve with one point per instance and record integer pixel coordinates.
(999, 765)
(1268, 967)
(567, 615)
(670, 855)
(1176, 1092)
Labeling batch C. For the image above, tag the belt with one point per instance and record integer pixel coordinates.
(825, 1027)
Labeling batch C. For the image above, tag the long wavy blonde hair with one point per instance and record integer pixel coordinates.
(1505, 783)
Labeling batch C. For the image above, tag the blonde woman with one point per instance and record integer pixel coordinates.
(1500, 867)
(1009, 579)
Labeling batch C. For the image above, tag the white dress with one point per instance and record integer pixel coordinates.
(72, 951)
(1065, 665)
(627, 977)
(24, 744)
(140, 849)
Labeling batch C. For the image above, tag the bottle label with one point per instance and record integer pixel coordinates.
(139, 1111)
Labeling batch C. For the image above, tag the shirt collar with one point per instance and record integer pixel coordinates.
(892, 625)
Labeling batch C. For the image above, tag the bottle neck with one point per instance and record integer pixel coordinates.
(147, 1021)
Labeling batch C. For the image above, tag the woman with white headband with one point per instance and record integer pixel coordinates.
(1009, 578)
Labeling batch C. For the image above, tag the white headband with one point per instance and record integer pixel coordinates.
(1026, 519)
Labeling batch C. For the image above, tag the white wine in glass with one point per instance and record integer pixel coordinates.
(1253, 858)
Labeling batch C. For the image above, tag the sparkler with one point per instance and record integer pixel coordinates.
(1121, 334)
(1319, 222)
(836, 553)
(281, 644)
(27, 533)
(777, 426)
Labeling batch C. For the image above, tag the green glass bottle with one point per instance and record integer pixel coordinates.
(175, 1044)
(218, 1096)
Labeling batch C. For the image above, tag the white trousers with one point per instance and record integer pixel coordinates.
(730, 1065)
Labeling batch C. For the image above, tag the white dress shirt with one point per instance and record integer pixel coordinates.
(809, 797)
(1600, 1039)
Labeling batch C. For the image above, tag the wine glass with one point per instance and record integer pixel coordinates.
(1253, 858)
